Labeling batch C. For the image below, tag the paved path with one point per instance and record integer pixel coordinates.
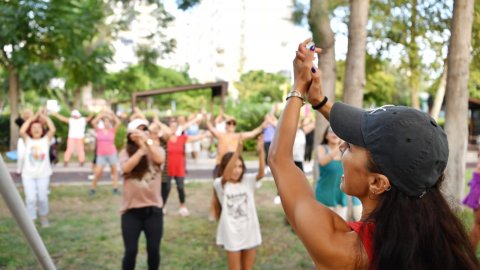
(196, 170)
(73, 173)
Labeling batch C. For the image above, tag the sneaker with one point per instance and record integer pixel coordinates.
(258, 184)
(91, 192)
(115, 191)
(183, 211)
(277, 200)
(44, 222)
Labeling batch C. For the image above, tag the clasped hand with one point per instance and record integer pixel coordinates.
(306, 76)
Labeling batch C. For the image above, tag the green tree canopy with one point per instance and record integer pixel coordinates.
(260, 86)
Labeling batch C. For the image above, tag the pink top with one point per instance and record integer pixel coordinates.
(106, 142)
(138, 193)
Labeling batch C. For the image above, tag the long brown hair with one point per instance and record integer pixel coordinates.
(217, 207)
(418, 233)
(143, 165)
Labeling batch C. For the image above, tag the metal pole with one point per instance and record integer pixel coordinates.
(15, 204)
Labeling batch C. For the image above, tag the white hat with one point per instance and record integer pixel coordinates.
(134, 124)
(76, 113)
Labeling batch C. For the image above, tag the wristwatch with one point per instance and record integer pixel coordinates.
(149, 142)
(297, 94)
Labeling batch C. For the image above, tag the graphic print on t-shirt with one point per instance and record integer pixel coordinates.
(36, 154)
(237, 205)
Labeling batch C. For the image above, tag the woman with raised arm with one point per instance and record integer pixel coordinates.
(238, 229)
(106, 149)
(36, 168)
(76, 132)
(176, 163)
(394, 158)
(142, 201)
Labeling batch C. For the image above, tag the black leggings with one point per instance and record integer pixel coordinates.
(167, 186)
(150, 221)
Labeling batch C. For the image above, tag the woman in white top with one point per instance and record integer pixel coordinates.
(76, 132)
(238, 228)
(36, 168)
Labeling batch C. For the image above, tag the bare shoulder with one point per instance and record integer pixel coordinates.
(329, 239)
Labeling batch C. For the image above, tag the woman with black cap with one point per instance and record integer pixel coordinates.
(394, 158)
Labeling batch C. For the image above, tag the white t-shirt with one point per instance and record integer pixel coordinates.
(76, 127)
(299, 146)
(36, 159)
(238, 228)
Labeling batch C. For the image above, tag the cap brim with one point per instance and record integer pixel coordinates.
(346, 123)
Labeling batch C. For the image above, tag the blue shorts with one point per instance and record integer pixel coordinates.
(107, 160)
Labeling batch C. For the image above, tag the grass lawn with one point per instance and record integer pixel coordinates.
(85, 233)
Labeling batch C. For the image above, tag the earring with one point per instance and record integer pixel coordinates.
(371, 197)
(388, 188)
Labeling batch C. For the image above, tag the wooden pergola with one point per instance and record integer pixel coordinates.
(219, 89)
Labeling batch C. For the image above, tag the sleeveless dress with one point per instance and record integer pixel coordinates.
(328, 190)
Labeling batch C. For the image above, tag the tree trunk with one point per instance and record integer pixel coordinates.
(413, 57)
(437, 103)
(456, 125)
(13, 90)
(324, 38)
(77, 100)
(86, 95)
(355, 64)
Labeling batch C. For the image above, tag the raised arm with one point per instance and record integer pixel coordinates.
(137, 113)
(89, 117)
(50, 125)
(261, 158)
(194, 138)
(96, 119)
(26, 125)
(308, 125)
(212, 129)
(191, 122)
(116, 120)
(304, 213)
(60, 117)
(163, 129)
(271, 119)
(134, 159)
(253, 133)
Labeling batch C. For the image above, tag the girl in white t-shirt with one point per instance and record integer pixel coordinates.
(36, 167)
(238, 228)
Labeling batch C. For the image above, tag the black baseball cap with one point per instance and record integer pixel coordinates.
(407, 145)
